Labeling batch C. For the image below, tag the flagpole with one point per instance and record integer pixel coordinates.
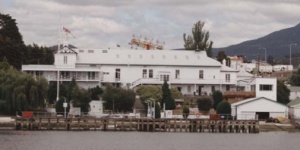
(58, 51)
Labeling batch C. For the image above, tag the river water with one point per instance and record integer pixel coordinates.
(99, 140)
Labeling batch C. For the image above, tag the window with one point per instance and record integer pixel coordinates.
(81, 51)
(164, 77)
(91, 75)
(144, 73)
(118, 74)
(150, 73)
(90, 51)
(201, 74)
(227, 77)
(104, 51)
(177, 74)
(65, 59)
(265, 87)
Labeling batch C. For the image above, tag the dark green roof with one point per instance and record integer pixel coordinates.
(294, 102)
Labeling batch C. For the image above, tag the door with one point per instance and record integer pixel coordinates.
(200, 90)
(263, 115)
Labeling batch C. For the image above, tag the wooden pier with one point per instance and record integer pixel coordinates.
(138, 124)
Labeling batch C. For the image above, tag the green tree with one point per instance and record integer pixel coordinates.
(118, 99)
(217, 98)
(283, 93)
(59, 106)
(295, 78)
(224, 108)
(167, 98)
(199, 39)
(221, 56)
(96, 92)
(20, 91)
(12, 46)
(176, 94)
(147, 92)
(204, 104)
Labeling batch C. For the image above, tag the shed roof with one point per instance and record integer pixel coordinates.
(253, 99)
(294, 102)
(294, 88)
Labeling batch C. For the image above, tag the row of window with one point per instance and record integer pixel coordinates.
(166, 77)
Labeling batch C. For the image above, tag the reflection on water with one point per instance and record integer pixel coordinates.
(54, 140)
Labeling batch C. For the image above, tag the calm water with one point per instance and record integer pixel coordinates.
(55, 140)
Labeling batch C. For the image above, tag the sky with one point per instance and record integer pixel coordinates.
(105, 23)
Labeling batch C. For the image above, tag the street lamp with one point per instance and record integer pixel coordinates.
(291, 52)
(265, 53)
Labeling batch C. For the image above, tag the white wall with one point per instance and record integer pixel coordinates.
(268, 94)
(59, 60)
(248, 110)
(294, 95)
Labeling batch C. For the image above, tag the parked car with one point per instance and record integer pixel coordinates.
(271, 119)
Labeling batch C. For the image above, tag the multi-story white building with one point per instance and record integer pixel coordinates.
(191, 72)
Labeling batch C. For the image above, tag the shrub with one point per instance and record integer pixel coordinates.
(224, 108)
(185, 112)
(204, 104)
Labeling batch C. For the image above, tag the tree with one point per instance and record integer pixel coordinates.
(283, 93)
(199, 39)
(185, 112)
(20, 91)
(167, 98)
(118, 99)
(295, 78)
(96, 92)
(204, 104)
(224, 108)
(217, 98)
(147, 92)
(12, 46)
(59, 106)
(221, 56)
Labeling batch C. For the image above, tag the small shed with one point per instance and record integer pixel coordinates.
(258, 108)
(294, 108)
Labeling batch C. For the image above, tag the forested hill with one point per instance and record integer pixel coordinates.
(276, 43)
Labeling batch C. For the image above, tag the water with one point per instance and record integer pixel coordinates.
(55, 140)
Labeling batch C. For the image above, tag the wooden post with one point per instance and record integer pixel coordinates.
(180, 125)
(175, 125)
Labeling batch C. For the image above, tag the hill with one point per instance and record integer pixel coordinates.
(276, 43)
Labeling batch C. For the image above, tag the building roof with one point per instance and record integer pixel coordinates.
(251, 100)
(146, 57)
(244, 73)
(294, 102)
(294, 88)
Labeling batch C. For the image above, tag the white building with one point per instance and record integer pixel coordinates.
(96, 108)
(294, 108)
(258, 108)
(294, 92)
(190, 72)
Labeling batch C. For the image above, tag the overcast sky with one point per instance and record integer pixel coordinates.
(103, 23)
